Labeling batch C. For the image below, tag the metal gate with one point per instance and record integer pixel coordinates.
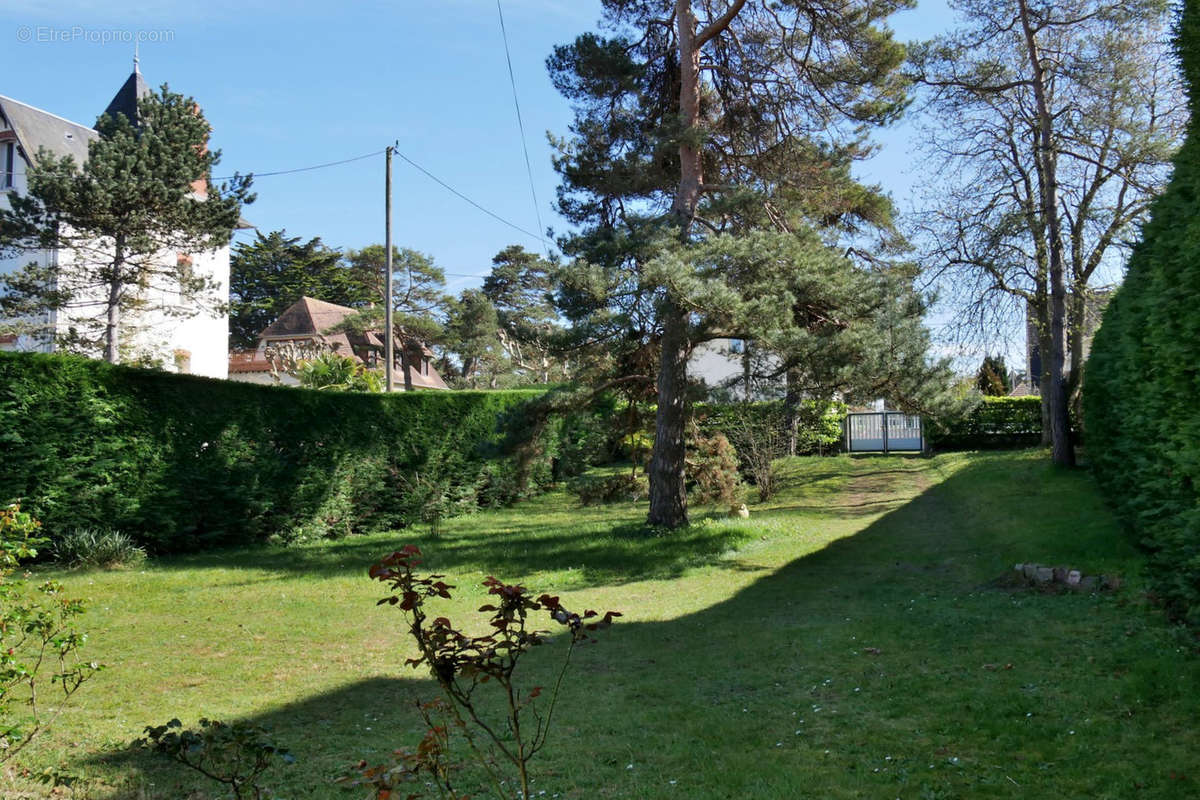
(884, 432)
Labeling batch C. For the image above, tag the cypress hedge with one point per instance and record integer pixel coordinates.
(183, 462)
(1142, 384)
(996, 423)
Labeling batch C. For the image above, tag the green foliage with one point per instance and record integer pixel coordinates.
(97, 547)
(135, 193)
(236, 754)
(1142, 383)
(340, 373)
(462, 664)
(602, 489)
(274, 271)
(992, 378)
(996, 422)
(39, 644)
(182, 462)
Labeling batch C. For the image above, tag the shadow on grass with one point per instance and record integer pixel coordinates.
(696, 679)
(601, 552)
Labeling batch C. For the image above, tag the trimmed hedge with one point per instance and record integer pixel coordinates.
(183, 462)
(1142, 383)
(996, 423)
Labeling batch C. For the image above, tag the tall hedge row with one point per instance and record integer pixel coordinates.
(1142, 385)
(996, 423)
(184, 462)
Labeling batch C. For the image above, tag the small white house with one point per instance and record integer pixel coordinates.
(197, 344)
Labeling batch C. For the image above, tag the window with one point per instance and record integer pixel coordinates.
(8, 157)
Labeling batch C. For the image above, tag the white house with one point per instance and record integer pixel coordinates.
(198, 344)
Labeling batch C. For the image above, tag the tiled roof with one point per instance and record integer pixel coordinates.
(310, 318)
(306, 317)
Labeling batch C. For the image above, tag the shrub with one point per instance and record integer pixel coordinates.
(39, 644)
(996, 422)
(236, 754)
(712, 469)
(97, 547)
(620, 488)
(760, 437)
(181, 462)
(1142, 382)
(462, 665)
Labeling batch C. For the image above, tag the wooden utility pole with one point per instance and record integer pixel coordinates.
(389, 354)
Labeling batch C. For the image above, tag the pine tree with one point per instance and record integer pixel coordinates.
(119, 219)
(709, 169)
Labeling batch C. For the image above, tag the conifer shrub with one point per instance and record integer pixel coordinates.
(181, 462)
(1142, 383)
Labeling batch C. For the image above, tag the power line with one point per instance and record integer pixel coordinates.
(462, 196)
(305, 169)
(416, 166)
(521, 126)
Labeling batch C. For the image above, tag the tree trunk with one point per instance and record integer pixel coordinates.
(1076, 329)
(791, 409)
(668, 490)
(746, 369)
(406, 364)
(1062, 451)
(112, 327)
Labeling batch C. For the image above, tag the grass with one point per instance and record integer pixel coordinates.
(854, 638)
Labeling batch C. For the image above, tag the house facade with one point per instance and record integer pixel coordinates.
(197, 344)
(1093, 312)
(306, 329)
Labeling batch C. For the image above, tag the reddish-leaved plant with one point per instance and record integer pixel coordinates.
(461, 664)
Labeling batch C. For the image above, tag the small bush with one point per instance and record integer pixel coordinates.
(236, 754)
(97, 547)
(712, 469)
(625, 487)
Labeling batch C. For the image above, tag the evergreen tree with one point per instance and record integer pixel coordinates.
(708, 168)
(274, 271)
(471, 334)
(143, 195)
(1141, 385)
(992, 378)
(520, 287)
(418, 300)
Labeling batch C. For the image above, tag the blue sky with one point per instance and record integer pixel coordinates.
(288, 85)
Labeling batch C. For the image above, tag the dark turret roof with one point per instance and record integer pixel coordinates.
(126, 100)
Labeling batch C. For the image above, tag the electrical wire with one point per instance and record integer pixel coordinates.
(305, 169)
(416, 166)
(462, 196)
(521, 126)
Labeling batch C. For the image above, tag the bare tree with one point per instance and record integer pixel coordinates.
(1050, 128)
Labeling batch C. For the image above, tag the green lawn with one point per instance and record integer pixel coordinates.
(856, 638)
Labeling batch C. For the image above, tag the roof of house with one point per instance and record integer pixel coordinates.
(37, 129)
(305, 317)
(126, 99)
(309, 317)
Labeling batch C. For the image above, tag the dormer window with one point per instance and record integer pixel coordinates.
(8, 164)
